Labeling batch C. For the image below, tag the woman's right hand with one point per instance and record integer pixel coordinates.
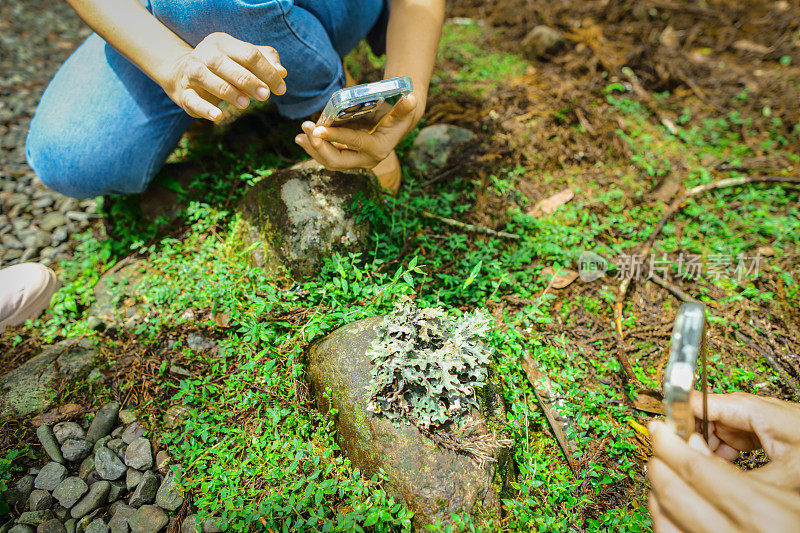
(220, 68)
(740, 422)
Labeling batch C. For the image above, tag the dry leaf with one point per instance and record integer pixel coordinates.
(222, 320)
(670, 38)
(549, 205)
(560, 280)
(58, 414)
(649, 402)
(766, 251)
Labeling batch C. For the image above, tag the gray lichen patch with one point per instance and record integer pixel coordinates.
(427, 365)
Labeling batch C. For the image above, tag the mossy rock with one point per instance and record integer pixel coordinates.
(299, 216)
(430, 480)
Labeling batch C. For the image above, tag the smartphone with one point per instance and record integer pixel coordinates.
(365, 106)
(687, 350)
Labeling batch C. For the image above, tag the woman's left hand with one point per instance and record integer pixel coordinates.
(357, 148)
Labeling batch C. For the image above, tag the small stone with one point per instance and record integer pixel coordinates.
(49, 443)
(117, 433)
(40, 500)
(119, 524)
(93, 478)
(94, 499)
(65, 431)
(101, 442)
(21, 528)
(50, 476)
(117, 488)
(97, 526)
(84, 522)
(436, 146)
(70, 491)
(70, 525)
(108, 464)
(51, 526)
(214, 525)
(126, 416)
(145, 491)
(115, 445)
(61, 512)
(139, 454)
(34, 518)
(86, 467)
(132, 478)
(148, 519)
(190, 525)
(542, 41)
(175, 416)
(75, 450)
(24, 487)
(168, 496)
(162, 461)
(53, 220)
(199, 343)
(103, 422)
(134, 431)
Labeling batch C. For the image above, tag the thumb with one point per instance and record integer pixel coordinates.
(405, 106)
(272, 56)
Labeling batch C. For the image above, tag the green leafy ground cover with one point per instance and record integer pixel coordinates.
(256, 451)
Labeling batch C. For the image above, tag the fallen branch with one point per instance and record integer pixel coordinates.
(468, 227)
(534, 375)
(788, 380)
(674, 289)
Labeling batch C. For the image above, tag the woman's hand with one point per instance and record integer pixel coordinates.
(222, 67)
(742, 422)
(345, 148)
(695, 491)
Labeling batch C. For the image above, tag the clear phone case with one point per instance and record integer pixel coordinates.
(365, 104)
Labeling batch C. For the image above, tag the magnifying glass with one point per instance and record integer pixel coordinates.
(688, 348)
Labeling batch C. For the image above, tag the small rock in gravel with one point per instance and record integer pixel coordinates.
(93, 478)
(117, 433)
(34, 518)
(94, 499)
(51, 526)
(84, 522)
(53, 220)
(103, 422)
(108, 464)
(132, 478)
(34, 471)
(49, 443)
(120, 507)
(86, 467)
(145, 491)
(40, 500)
(24, 487)
(70, 491)
(21, 528)
(115, 445)
(169, 496)
(162, 461)
(50, 476)
(139, 454)
(117, 488)
(11, 242)
(119, 520)
(101, 442)
(133, 431)
(126, 416)
(70, 525)
(190, 524)
(76, 450)
(214, 525)
(97, 526)
(148, 519)
(59, 235)
(65, 431)
(61, 512)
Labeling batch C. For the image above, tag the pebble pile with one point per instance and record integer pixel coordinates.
(103, 477)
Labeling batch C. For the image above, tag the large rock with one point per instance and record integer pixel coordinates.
(302, 216)
(29, 388)
(430, 480)
(435, 147)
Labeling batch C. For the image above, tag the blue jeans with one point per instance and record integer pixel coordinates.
(103, 127)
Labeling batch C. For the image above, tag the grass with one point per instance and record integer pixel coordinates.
(257, 453)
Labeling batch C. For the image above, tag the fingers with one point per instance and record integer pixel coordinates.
(201, 76)
(784, 474)
(241, 78)
(198, 107)
(661, 522)
(249, 56)
(698, 469)
(352, 139)
(683, 506)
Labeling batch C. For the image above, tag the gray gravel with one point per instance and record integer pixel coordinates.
(35, 38)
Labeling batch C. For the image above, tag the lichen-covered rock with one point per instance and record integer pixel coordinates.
(430, 480)
(50, 476)
(435, 147)
(108, 465)
(29, 388)
(302, 216)
(49, 443)
(103, 422)
(75, 450)
(95, 498)
(70, 491)
(169, 495)
(148, 519)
